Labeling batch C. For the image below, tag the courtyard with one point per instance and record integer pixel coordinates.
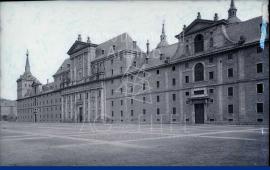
(132, 144)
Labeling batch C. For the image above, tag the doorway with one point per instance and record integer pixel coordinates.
(199, 113)
(80, 115)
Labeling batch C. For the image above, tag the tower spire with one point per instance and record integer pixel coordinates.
(163, 38)
(232, 10)
(27, 65)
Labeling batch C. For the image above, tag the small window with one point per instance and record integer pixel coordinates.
(173, 68)
(230, 91)
(230, 108)
(211, 90)
(174, 110)
(157, 98)
(112, 81)
(144, 111)
(112, 72)
(114, 47)
(144, 100)
(121, 90)
(259, 49)
(112, 113)
(198, 92)
(157, 71)
(112, 103)
(211, 59)
(187, 93)
(259, 68)
(259, 120)
(131, 101)
(102, 52)
(259, 107)
(186, 65)
(122, 113)
(211, 75)
(187, 79)
(173, 82)
(260, 88)
(157, 84)
(112, 92)
(111, 61)
(158, 111)
(143, 86)
(173, 97)
(230, 56)
(121, 102)
(131, 112)
(230, 72)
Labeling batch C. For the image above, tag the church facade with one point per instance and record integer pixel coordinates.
(217, 72)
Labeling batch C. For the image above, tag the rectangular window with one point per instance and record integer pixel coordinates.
(173, 68)
(112, 72)
(144, 111)
(112, 113)
(260, 88)
(211, 90)
(131, 89)
(230, 108)
(111, 61)
(112, 103)
(174, 110)
(112, 91)
(210, 59)
(230, 72)
(122, 113)
(131, 101)
(131, 112)
(187, 79)
(157, 71)
(211, 75)
(157, 98)
(186, 65)
(121, 69)
(158, 112)
(121, 90)
(157, 84)
(230, 56)
(144, 100)
(198, 92)
(259, 107)
(259, 68)
(143, 86)
(173, 82)
(173, 97)
(121, 102)
(187, 93)
(230, 91)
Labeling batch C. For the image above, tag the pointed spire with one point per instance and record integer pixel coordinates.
(232, 10)
(163, 40)
(27, 65)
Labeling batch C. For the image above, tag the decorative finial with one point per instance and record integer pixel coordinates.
(147, 47)
(27, 53)
(79, 37)
(199, 15)
(216, 17)
(88, 40)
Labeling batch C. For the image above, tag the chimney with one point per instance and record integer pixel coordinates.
(88, 40)
(79, 37)
(216, 17)
(134, 44)
(147, 47)
(199, 15)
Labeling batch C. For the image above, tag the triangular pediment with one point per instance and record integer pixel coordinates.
(198, 24)
(77, 45)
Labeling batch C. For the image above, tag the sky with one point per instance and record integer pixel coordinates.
(49, 28)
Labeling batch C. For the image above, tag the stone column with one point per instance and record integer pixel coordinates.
(75, 110)
(66, 111)
(167, 113)
(84, 95)
(71, 107)
(219, 115)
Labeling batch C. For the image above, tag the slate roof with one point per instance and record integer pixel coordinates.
(64, 67)
(121, 42)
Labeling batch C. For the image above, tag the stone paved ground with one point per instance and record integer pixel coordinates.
(126, 144)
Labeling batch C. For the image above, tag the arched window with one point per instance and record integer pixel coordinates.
(198, 43)
(199, 72)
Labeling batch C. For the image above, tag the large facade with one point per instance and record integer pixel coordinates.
(216, 73)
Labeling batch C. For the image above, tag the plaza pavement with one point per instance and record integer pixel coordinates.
(132, 144)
